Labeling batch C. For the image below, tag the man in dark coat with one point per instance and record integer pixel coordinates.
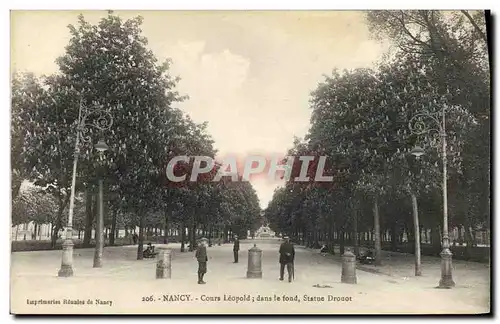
(202, 258)
(236, 248)
(287, 256)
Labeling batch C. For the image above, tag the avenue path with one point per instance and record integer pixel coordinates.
(128, 284)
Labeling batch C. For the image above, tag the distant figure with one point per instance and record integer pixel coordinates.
(324, 249)
(135, 238)
(287, 257)
(236, 248)
(202, 258)
(194, 247)
(149, 252)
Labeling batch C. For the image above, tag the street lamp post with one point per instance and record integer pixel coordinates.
(102, 121)
(418, 126)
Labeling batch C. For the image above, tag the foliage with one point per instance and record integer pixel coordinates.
(362, 121)
(108, 74)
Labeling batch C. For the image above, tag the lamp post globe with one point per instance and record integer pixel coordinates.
(417, 151)
(101, 146)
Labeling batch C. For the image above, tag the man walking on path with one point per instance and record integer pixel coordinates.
(201, 256)
(287, 256)
(236, 248)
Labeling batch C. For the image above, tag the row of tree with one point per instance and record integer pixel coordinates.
(362, 121)
(108, 66)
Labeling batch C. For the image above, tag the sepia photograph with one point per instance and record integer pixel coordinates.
(250, 162)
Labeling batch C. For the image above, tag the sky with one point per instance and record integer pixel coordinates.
(248, 73)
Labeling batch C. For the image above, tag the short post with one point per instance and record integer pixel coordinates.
(164, 264)
(67, 259)
(254, 262)
(348, 268)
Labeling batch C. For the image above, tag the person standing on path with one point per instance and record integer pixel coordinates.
(202, 258)
(236, 248)
(287, 257)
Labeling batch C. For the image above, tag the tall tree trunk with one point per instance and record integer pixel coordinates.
(89, 218)
(394, 236)
(113, 228)
(165, 237)
(329, 240)
(469, 240)
(33, 236)
(183, 236)
(95, 206)
(140, 244)
(342, 240)
(474, 237)
(460, 235)
(436, 239)
(376, 221)
(210, 234)
(355, 228)
(226, 234)
(416, 226)
(57, 226)
(193, 236)
(190, 238)
(53, 235)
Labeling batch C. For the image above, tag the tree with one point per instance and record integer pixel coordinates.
(361, 121)
(107, 71)
(110, 66)
(33, 205)
(455, 48)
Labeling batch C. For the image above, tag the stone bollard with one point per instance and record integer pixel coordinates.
(164, 264)
(348, 268)
(254, 262)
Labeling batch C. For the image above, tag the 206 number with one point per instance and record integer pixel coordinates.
(148, 298)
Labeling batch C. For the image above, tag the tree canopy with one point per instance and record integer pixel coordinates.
(109, 75)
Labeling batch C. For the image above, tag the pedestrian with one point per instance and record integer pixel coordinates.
(287, 257)
(202, 258)
(236, 248)
(135, 238)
